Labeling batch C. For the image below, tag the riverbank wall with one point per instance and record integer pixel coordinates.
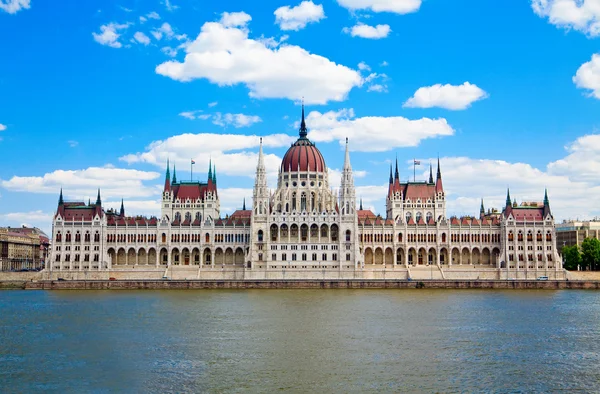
(296, 284)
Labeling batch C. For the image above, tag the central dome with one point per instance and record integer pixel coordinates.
(303, 155)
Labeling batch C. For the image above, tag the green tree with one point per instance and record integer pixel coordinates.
(571, 257)
(590, 253)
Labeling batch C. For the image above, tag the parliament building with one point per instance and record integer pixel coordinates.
(305, 230)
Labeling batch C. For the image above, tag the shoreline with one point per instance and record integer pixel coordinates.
(298, 284)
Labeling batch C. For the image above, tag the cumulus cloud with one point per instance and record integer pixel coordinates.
(395, 6)
(235, 19)
(366, 31)
(153, 15)
(446, 96)
(166, 30)
(373, 133)
(225, 55)
(141, 38)
(192, 115)
(170, 6)
(580, 15)
(234, 154)
(588, 76)
(235, 120)
(13, 6)
(213, 104)
(2, 127)
(296, 18)
(114, 182)
(109, 34)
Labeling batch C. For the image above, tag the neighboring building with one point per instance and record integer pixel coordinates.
(23, 248)
(304, 228)
(569, 233)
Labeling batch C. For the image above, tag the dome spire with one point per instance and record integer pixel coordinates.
(303, 131)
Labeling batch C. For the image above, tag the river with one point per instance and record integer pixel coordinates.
(300, 341)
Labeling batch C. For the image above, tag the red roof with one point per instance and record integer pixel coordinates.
(365, 213)
(414, 190)
(241, 214)
(303, 156)
(191, 190)
(527, 214)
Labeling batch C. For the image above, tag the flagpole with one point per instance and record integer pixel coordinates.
(191, 170)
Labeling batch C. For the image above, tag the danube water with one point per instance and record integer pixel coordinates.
(300, 341)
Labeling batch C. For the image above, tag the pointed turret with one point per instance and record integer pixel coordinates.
(167, 178)
(122, 212)
(303, 131)
(391, 177)
(508, 201)
(89, 201)
(244, 206)
(210, 169)
(481, 210)
(261, 160)
(98, 200)
(430, 173)
(361, 207)
(60, 198)
(547, 211)
(174, 176)
(439, 187)
(397, 173)
(214, 174)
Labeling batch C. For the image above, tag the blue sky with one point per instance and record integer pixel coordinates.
(100, 93)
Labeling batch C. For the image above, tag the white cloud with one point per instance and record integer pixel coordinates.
(376, 82)
(395, 6)
(362, 66)
(170, 7)
(114, 182)
(143, 19)
(366, 31)
(213, 104)
(377, 88)
(13, 6)
(126, 9)
(446, 96)
(588, 76)
(373, 133)
(109, 34)
(296, 18)
(141, 38)
(72, 143)
(2, 127)
(235, 19)
(226, 56)
(190, 114)
(135, 207)
(234, 154)
(384, 64)
(153, 15)
(21, 217)
(581, 15)
(235, 120)
(169, 51)
(583, 162)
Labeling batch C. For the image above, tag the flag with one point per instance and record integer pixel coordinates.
(193, 162)
(417, 162)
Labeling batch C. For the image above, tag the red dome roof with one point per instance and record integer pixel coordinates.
(302, 156)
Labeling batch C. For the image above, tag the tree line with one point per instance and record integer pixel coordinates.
(587, 257)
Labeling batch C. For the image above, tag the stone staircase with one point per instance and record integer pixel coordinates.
(424, 272)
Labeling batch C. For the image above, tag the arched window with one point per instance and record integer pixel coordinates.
(293, 201)
(418, 216)
(428, 216)
(207, 238)
(312, 201)
(188, 216)
(260, 235)
(408, 216)
(177, 216)
(399, 237)
(303, 202)
(443, 237)
(348, 233)
(68, 237)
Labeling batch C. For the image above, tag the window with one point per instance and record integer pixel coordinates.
(303, 256)
(418, 216)
(284, 257)
(274, 256)
(293, 256)
(260, 257)
(347, 256)
(314, 257)
(334, 257)
(408, 216)
(348, 233)
(260, 235)
(428, 216)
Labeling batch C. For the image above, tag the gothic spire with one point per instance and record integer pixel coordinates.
(439, 170)
(508, 202)
(391, 177)
(347, 165)
(482, 210)
(174, 175)
(210, 169)
(303, 131)
(430, 173)
(546, 201)
(122, 213)
(397, 174)
(244, 206)
(261, 159)
(168, 177)
(60, 198)
(214, 174)
(98, 200)
(547, 211)
(361, 208)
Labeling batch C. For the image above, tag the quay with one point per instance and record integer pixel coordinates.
(296, 284)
